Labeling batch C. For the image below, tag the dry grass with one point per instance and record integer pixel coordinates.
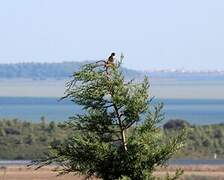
(197, 172)
(24, 173)
(205, 172)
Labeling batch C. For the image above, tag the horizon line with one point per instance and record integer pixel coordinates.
(167, 69)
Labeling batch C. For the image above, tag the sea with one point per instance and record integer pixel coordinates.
(196, 101)
(195, 111)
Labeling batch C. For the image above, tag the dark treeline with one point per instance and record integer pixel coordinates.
(38, 70)
(26, 140)
(203, 141)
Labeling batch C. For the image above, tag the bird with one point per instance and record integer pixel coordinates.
(109, 63)
(111, 58)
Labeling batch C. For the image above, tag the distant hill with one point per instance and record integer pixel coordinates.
(41, 71)
(48, 70)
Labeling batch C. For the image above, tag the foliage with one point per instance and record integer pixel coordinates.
(201, 142)
(176, 124)
(118, 133)
(26, 140)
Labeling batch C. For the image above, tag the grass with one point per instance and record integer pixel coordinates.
(191, 173)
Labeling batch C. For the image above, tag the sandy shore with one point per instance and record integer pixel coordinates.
(23, 173)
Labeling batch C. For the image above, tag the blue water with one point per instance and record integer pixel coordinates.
(196, 111)
(197, 162)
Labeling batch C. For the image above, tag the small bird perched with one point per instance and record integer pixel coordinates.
(111, 58)
(109, 62)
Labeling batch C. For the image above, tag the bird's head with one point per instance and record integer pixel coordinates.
(112, 54)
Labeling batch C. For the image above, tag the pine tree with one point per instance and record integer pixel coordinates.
(117, 136)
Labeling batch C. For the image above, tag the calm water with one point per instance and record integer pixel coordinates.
(196, 111)
(197, 162)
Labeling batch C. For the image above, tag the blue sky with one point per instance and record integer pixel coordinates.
(152, 34)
